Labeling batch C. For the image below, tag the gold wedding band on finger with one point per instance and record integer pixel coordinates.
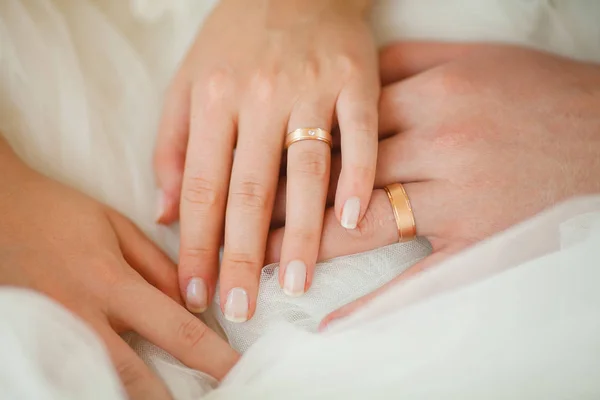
(301, 134)
(403, 214)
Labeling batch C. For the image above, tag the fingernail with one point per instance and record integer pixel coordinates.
(236, 306)
(350, 213)
(294, 279)
(196, 296)
(160, 205)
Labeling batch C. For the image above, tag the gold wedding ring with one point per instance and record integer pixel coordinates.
(301, 134)
(405, 219)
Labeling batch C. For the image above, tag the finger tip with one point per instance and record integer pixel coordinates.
(236, 320)
(293, 293)
(336, 315)
(167, 207)
(326, 322)
(167, 217)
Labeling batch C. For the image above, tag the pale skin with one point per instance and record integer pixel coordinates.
(493, 133)
(97, 264)
(483, 137)
(257, 70)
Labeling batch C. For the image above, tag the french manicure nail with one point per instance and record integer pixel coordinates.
(350, 213)
(160, 205)
(294, 279)
(196, 296)
(236, 306)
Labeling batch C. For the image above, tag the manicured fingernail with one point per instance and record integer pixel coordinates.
(294, 279)
(236, 306)
(160, 204)
(196, 296)
(350, 213)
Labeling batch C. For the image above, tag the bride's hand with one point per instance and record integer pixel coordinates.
(483, 141)
(257, 70)
(101, 267)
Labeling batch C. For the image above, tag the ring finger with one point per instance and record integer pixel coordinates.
(308, 165)
(404, 157)
(378, 228)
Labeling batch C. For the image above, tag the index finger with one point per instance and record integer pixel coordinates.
(163, 322)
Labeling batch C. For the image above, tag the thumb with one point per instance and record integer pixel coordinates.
(169, 153)
(403, 59)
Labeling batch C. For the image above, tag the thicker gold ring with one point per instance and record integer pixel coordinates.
(301, 134)
(403, 214)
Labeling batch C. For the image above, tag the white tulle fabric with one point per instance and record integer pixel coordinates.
(81, 85)
(338, 282)
(513, 318)
(509, 319)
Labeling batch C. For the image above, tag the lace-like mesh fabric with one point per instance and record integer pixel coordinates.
(183, 382)
(336, 282)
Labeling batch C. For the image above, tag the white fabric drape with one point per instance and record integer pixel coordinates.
(81, 85)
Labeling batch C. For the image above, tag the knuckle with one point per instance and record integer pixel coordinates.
(349, 66)
(312, 163)
(242, 261)
(311, 70)
(362, 173)
(219, 84)
(200, 192)
(250, 195)
(130, 372)
(452, 135)
(264, 86)
(365, 126)
(192, 332)
(298, 235)
(190, 256)
(366, 228)
(364, 136)
(450, 81)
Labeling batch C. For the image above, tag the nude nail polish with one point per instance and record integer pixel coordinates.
(196, 296)
(294, 279)
(350, 213)
(236, 305)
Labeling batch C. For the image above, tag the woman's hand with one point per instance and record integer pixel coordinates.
(488, 138)
(257, 70)
(101, 267)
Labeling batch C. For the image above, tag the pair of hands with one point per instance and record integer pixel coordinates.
(477, 139)
(483, 137)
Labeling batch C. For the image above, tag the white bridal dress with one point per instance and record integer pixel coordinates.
(516, 317)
